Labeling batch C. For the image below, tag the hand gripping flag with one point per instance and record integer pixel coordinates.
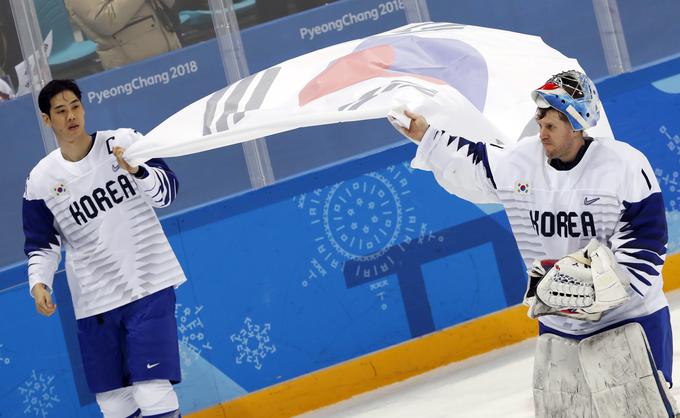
(472, 81)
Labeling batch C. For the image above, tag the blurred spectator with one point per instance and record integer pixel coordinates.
(10, 51)
(127, 30)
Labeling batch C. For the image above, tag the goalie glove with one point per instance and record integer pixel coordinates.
(581, 285)
(535, 274)
(560, 291)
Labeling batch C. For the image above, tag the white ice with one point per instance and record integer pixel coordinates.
(490, 385)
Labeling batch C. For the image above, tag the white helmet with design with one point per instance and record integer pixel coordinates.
(573, 94)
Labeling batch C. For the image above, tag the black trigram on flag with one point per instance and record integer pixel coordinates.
(222, 113)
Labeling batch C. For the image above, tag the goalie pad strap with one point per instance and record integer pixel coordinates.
(622, 377)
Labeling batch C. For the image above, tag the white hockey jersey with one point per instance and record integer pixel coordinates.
(103, 217)
(611, 194)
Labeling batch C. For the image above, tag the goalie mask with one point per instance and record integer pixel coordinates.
(573, 94)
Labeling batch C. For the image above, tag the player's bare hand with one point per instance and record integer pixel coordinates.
(43, 300)
(417, 128)
(118, 153)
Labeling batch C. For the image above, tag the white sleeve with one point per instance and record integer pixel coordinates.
(460, 166)
(154, 178)
(640, 238)
(157, 182)
(42, 241)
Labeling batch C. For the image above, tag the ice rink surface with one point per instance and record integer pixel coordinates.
(494, 384)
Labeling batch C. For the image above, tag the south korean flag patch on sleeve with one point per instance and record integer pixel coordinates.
(522, 187)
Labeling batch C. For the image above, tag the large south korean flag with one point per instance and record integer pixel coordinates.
(472, 81)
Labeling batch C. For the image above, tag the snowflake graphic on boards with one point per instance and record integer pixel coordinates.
(362, 219)
(673, 140)
(253, 343)
(191, 332)
(3, 357)
(39, 393)
(669, 181)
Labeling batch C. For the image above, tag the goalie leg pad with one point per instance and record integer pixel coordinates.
(560, 389)
(622, 377)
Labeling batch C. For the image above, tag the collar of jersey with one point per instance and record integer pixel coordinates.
(562, 166)
(77, 163)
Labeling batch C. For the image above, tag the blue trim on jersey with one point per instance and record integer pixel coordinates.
(478, 152)
(38, 226)
(141, 173)
(165, 186)
(645, 268)
(645, 255)
(481, 152)
(136, 414)
(646, 229)
(636, 289)
(645, 224)
(161, 187)
(170, 182)
(640, 278)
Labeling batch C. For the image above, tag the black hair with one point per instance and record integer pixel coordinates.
(53, 88)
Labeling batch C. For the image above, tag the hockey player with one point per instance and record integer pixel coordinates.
(589, 220)
(84, 198)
